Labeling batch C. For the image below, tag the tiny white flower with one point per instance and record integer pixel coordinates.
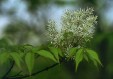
(77, 29)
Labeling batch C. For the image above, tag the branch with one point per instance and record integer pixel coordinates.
(4, 77)
(21, 77)
(16, 74)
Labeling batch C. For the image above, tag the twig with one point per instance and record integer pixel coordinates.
(4, 77)
(16, 74)
(21, 77)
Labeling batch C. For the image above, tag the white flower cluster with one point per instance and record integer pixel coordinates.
(77, 29)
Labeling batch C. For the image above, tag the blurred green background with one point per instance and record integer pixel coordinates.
(25, 22)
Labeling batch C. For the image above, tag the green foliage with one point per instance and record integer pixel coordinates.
(94, 57)
(17, 53)
(55, 52)
(28, 52)
(29, 59)
(72, 52)
(78, 57)
(78, 54)
(4, 58)
(61, 54)
(17, 58)
(47, 54)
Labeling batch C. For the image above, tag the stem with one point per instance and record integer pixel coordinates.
(4, 77)
(16, 74)
(21, 77)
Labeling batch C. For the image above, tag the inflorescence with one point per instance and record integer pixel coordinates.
(77, 28)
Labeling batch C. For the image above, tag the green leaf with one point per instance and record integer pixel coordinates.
(72, 52)
(93, 56)
(29, 59)
(78, 57)
(85, 56)
(17, 58)
(4, 57)
(55, 52)
(46, 54)
(60, 52)
(95, 63)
